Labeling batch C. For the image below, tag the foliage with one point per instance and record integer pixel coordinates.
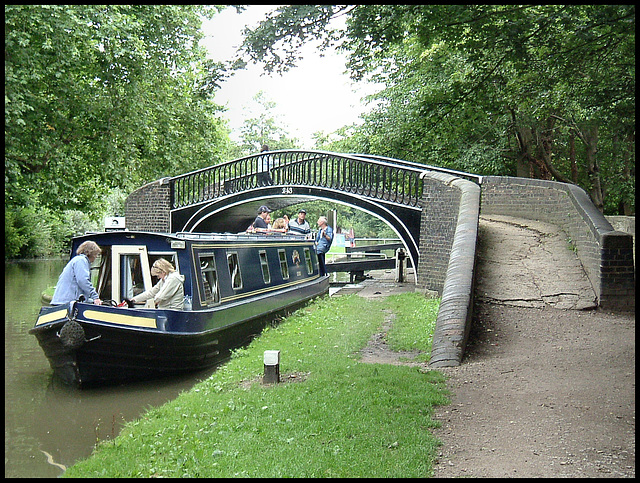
(544, 91)
(31, 233)
(104, 97)
(264, 128)
(286, 29)
(336, 417)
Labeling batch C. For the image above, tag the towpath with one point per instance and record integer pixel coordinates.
(547, 386)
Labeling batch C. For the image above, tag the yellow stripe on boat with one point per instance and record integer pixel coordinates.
(51, 316)
(121, 319)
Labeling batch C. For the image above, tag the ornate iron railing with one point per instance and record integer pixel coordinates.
(371, 178)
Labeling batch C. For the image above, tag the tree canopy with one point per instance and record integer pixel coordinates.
(104, 96)
(99, 97)
(543, 91)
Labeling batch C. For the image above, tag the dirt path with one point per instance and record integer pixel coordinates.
(547, 387)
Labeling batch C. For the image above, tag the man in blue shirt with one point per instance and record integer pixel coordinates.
(75, 279)
(324, 238)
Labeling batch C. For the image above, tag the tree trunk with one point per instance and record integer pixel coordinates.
(589, 137)
(572, 158)
(523, 137)
(545, 149)
(628, 209)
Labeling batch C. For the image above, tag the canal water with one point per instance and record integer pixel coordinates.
(47, 424)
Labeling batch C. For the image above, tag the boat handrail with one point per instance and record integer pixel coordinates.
(235, 236)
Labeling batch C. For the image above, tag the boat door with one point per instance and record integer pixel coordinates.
(131, 274)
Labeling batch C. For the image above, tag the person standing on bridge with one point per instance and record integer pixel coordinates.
(300, 226)
(324, 238)
(264, 167)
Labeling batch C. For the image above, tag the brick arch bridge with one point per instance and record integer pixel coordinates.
(433, 210)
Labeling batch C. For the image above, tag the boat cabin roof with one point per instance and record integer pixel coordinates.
(121, 237)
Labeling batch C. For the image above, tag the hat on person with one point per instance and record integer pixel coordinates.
(263, 209)
(303, 211)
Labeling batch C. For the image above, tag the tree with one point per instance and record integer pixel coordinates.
(99, 97)
(532, 90)
(264, 128)
(104, 96)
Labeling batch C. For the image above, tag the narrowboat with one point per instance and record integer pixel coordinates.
(234, 285)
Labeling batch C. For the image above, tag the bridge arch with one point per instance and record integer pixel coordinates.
(229, 214)
(225, 197)
(420, 203)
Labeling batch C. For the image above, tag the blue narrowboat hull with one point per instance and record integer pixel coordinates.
(89, 344)
(114, 351)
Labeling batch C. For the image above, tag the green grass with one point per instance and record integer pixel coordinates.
(341, 418)
(414, 324)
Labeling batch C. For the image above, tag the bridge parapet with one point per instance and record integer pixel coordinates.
(372, 178)
(606, 254)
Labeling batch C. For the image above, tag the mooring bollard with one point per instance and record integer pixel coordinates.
(271, 367)
(401, 265)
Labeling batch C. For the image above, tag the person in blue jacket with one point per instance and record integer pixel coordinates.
(75, 279)
(324, 238)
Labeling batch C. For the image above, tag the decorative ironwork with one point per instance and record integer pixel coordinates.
(374, 178)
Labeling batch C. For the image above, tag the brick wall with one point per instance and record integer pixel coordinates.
(437, 226)
(607, 255)
(148, 207)
(448, 243)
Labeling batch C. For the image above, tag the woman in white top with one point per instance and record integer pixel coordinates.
(168, 293)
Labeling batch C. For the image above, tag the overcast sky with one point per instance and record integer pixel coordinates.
(317, 95)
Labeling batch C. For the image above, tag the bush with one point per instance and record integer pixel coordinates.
(14, 237)
(29, 234)
(24, 233)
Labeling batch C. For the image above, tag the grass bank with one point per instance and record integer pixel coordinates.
(332, 416)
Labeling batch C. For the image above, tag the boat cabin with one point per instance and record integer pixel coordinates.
(217, 268)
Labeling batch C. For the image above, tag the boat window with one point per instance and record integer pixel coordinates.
(209, 293)
(132, 283)
(104, 276)
(307, 259)
(234, 270)
(284, 268)
(266, 276)
(170, 257)
(95, 269)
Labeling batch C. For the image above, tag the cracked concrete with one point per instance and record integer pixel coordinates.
(537, 266)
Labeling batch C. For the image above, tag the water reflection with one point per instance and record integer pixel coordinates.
(43, 415)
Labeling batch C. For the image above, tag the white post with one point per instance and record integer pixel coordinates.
(271, 367)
